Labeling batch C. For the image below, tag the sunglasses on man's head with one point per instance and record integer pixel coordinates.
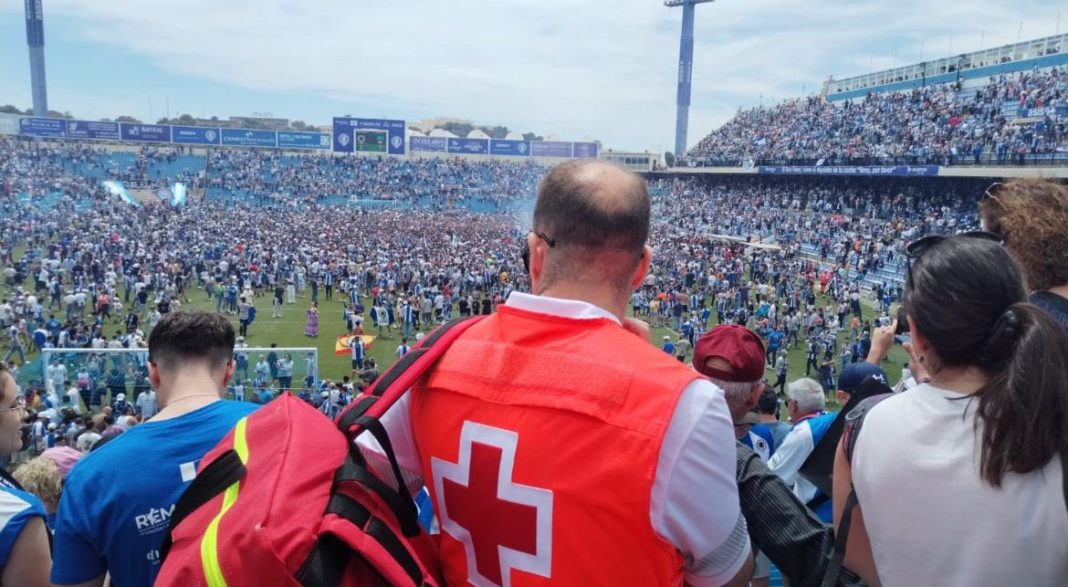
(991, 193)
(526, 248)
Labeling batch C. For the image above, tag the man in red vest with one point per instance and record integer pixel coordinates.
(560, 448)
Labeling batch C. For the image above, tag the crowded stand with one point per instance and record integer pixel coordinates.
(944, 124)
(742, 272)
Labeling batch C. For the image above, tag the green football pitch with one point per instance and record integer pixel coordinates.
(288, 331)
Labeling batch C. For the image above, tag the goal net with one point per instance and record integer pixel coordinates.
(100, 375)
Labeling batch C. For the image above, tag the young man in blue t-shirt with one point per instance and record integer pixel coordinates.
(118, 500)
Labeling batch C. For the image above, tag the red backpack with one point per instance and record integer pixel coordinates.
(286, 498)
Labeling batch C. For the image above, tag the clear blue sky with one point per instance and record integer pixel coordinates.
(600, 69)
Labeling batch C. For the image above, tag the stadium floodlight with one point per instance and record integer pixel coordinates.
(35, 42)
(682, 119)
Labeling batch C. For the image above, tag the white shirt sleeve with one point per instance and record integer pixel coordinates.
(694, 501)
(398, 425)
(795, 449)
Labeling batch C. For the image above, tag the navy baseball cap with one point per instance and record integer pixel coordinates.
(855, 374)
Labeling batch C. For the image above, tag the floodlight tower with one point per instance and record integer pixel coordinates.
(682, 120)
(35, 41)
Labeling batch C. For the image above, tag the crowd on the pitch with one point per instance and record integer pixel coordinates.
(936, 125)
(101, 276)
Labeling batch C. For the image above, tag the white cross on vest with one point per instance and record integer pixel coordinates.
(502, 525)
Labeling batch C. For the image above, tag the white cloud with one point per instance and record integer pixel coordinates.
(601, 68)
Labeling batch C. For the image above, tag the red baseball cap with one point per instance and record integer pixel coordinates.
(739, 346)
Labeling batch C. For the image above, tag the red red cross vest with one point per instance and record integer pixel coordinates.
(539, 438)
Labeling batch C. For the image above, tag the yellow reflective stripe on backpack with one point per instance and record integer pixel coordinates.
(209, 544)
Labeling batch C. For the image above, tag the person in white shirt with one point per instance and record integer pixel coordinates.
(74, 397)
(960, 480)
(146, 404)
(5, 314)
(402, 349)
(55, 375)
(89, 438)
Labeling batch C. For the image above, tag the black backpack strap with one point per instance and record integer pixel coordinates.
(325, 565)
(854, 422)
(834, 566)
(1064, 471)
(399, 501)
(212, 481)
(396, 380)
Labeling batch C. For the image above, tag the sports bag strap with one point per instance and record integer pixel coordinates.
(834, 566)
(325, 565)
(854, 423)
(1064, 471)
(396, 380)
(212, 481)
(402, 506)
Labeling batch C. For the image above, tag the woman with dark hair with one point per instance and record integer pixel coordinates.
(959, 480)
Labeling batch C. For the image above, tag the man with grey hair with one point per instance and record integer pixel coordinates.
(732, 356)
(806, 405)
(780, 525)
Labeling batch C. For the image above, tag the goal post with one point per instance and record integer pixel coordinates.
(99, 375)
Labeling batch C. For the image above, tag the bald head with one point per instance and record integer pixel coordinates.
(593, 205)
(596, 217)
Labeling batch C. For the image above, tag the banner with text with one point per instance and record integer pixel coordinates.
(148, 133)
(303, 140)
(585, 151)
(195, 135)
(344, 127)
(240, 137)
(869, 171)
(468, 146)
(510, 148)
(88, 129)
(427, 144)
(551, 149)
(43, 127)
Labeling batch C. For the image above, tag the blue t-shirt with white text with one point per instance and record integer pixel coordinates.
(117, 501)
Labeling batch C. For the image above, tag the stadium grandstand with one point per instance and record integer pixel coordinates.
(1001, 106)
(795, 230)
